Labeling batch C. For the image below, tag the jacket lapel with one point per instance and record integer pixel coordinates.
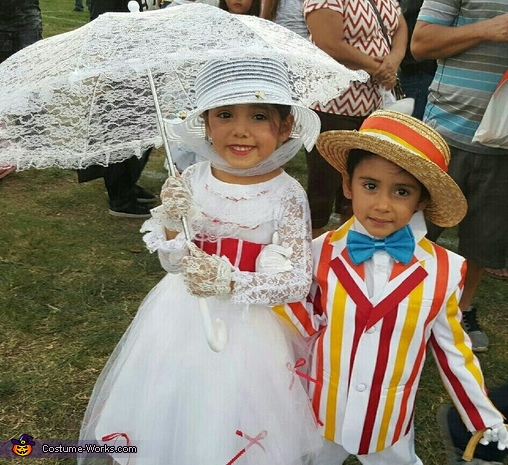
(403, 280)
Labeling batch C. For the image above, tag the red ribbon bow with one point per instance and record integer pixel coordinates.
(252, 441)
(299, 363)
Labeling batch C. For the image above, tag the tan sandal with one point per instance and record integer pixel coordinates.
(6, 171)
(498, 274)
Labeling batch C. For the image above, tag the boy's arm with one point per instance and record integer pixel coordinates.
(458, 366)
(306, 316)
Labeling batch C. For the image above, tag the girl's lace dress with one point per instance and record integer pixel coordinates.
(166, 392)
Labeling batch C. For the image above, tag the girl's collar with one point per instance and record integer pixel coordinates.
(278, 158)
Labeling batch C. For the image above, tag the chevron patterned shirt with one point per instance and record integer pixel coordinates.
(361, 30)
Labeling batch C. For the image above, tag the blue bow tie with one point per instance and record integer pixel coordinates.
(400, 245)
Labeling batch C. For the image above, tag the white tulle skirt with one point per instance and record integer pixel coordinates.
(167, 393)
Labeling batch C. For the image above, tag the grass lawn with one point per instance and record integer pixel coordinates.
(72, 277)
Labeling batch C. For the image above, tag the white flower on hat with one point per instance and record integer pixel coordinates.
(260, 95)
(182, 114)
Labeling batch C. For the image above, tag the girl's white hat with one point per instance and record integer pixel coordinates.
(243, 81)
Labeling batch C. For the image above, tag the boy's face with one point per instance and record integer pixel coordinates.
(384, 196)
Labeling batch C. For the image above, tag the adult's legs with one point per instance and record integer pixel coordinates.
(324, 183)
(121, 180)
(482, 233)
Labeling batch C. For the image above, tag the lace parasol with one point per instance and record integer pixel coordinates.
(83, 97)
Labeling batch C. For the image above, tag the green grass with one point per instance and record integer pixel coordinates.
(72, 278)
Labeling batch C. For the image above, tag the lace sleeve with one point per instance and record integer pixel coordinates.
(288, 286)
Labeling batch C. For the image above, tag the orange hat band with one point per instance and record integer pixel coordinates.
(400, 134)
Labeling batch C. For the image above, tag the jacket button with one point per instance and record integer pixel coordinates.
(361, 387)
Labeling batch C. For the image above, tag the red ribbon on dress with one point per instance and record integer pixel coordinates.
(252, 441)
(113, 436)
(241, 254)
(110, 437)
(300, 363)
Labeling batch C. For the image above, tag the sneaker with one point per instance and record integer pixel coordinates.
(479, 339)
(134, 210)
(143, 196)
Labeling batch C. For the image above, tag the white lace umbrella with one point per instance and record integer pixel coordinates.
(83, 97)
(98, 94)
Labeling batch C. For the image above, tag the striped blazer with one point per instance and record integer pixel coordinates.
(367, 359)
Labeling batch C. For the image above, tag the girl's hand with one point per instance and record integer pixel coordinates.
(274, 259)
(206, 275)
(176, 198)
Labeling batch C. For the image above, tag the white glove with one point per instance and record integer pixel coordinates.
(497, 433)
(171, 253)
(274, 259)
(176, 198)
(206, 275)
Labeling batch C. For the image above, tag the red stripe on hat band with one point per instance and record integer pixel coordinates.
(406, 136)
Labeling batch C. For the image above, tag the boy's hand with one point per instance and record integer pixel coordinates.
(206, 275)
(176, 198)
(497, 433)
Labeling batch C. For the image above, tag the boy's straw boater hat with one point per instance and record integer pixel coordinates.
(410, 144)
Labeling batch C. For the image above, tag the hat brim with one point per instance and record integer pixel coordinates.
(447, 205)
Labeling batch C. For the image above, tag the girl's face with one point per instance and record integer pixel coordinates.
(384, 196)
(245, 135)
(239, 7)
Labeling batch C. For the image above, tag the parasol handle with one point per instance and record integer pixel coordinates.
(216, 334)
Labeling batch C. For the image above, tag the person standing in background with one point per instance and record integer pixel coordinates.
(241, 7)
(469, 39)
(78, 5)
(415, 76)
(287, 13)
(126, 198)
(20, 26)
(351, 33)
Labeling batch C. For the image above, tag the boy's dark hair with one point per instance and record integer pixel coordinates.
(357, 155)
(254, 10)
